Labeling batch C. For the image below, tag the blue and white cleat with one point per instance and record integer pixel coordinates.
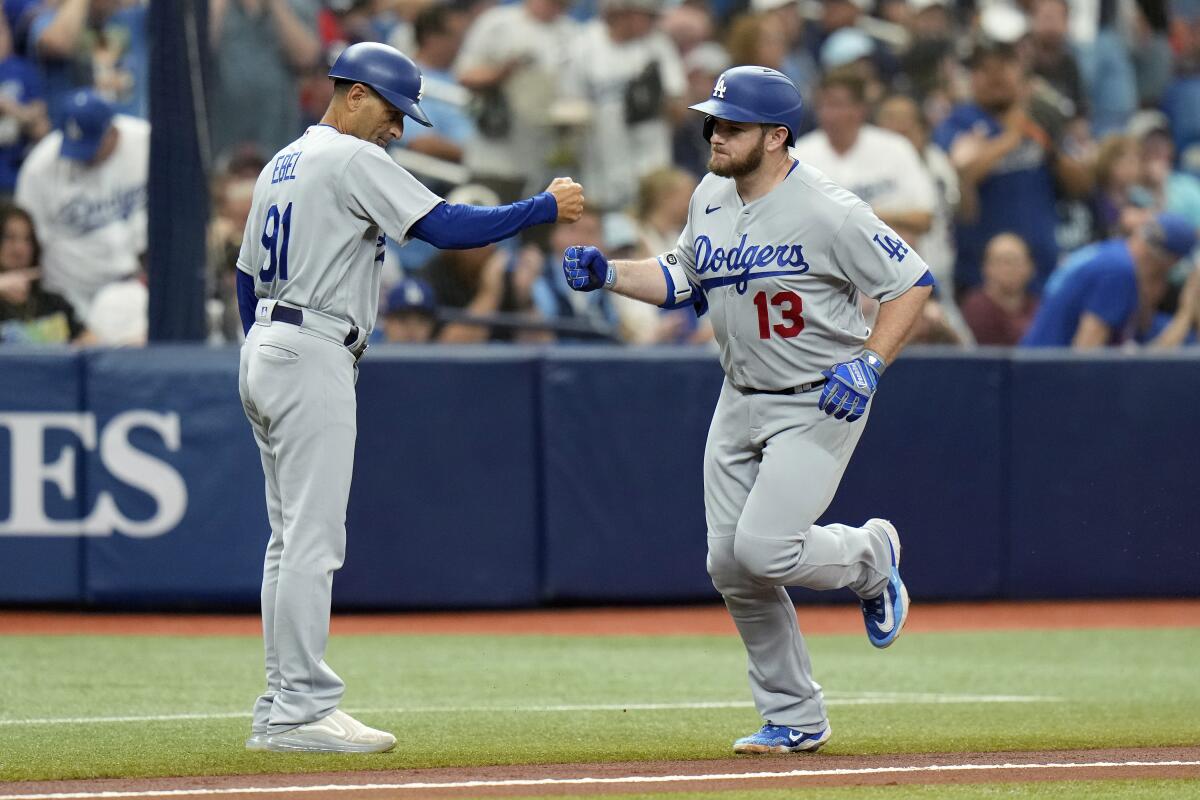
(781, 739)
(885, 614)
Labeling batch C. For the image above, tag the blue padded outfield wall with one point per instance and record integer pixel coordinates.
(516, 477)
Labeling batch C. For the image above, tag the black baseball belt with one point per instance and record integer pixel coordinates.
(295, 316)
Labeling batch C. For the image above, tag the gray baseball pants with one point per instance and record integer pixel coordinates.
(297, 389)
(771, 466)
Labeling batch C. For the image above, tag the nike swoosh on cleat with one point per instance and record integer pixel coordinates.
(889, 615)
(795, 736)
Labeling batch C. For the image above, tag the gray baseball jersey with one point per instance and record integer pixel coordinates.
(315, 237)
(782, 274)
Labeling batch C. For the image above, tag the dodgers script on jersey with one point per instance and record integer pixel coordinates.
(315, 237)
(782, 274)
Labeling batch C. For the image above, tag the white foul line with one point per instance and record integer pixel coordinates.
(832, 698)
(629, 779)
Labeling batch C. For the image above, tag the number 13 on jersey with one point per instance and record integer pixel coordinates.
(789, 304)
(275, 235)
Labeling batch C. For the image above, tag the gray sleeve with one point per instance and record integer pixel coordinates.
(379, 190)
(873, 257)
(248, 255)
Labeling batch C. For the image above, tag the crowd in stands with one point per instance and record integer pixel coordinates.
(1043, 156)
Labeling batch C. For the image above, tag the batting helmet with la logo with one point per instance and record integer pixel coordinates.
(753, 94)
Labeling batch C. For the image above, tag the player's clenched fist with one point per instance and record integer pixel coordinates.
(585, 268)
(849, 386)
(569, 196)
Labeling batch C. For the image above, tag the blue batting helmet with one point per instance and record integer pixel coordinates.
(753, 94)
(387, 71)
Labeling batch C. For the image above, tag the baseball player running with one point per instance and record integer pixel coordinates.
(778, 255)
(308, 292)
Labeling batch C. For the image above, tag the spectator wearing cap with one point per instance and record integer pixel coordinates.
(28, 313)
(512, 59)
(1000, 311)
(259, 48)
(410, 313)
(1010, 168)
(850, 50)
(880, 166)
(632, 77)
(85, 187)
(1100, 293)
(96, 44)
(835, 15)
(1163, 328)
(439, 33)
(839, 15)
(23, 119)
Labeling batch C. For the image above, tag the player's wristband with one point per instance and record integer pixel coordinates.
(611, 278)
(874, 361)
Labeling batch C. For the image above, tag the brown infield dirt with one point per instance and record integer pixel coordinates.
(906, 769)
(799, 771)
(656, 621)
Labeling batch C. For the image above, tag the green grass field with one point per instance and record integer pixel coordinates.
(474, 700)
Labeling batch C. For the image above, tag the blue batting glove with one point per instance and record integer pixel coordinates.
(849, 386)
(585, 268)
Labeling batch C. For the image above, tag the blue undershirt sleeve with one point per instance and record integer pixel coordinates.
(462, 227)
(247, 302)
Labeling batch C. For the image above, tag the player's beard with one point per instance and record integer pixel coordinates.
(738, 168)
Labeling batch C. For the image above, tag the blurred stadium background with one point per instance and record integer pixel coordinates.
(130, 478)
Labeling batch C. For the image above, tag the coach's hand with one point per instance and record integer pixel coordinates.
(569, 196)
(849, 386)
(585, 268)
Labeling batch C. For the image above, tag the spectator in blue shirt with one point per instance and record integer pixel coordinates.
(92, 44)
(439, 33)
(23, 118)
(1006, 150)
(1095, 297)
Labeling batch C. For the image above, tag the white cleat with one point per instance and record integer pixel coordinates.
(257, 742)
(337, 733)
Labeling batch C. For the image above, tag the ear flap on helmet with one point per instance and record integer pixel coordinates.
(710, 124)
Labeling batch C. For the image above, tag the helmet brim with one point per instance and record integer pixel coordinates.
(728, 111)
(409, 107)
